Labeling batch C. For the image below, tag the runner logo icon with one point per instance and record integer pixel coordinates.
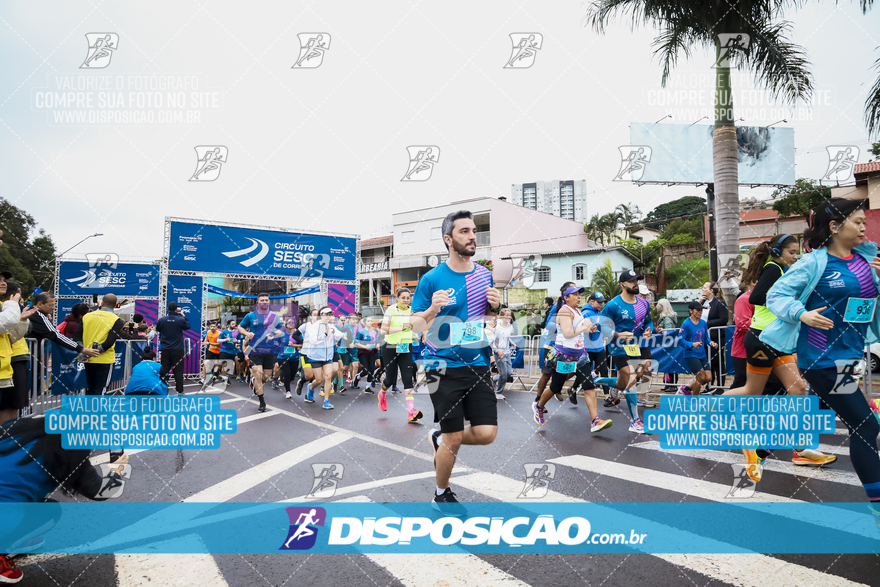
(421, 162)
(633, 160)
(841, 164)
(538, 477)
(743, 485)
(327, 478)
(311, 50)
(101, 48)
(210, 160)
(255, 244)
(303, 532)
(525, 49)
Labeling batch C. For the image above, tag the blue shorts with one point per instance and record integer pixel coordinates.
(696, 364)
(353, 353)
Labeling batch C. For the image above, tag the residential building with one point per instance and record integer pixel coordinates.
(502, 229)
(553, 269)
(374, 270)
(564, 198)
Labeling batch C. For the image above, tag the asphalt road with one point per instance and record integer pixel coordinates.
(387, 459)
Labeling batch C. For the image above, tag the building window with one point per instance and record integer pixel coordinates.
(409, 237)
(580, 272)
(542, 274)
(435, 234)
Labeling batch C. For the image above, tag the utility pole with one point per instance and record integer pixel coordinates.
(713, 242)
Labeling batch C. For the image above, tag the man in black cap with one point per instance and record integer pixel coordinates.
(627, 322)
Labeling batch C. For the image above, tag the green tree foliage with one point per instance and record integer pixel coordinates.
(799, 199)
(485, 263)
(30, 258)
(649, 254)
(875, 152)
(605, 281)
(692, 227)
(688, 274)
(680, 208)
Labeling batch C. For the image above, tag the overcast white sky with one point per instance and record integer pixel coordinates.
(324, 149)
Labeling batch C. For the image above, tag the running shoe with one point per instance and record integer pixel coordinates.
(559, 396)
(637, 427)
(572, 396)
(600, 424)
(299, 384)
(811, 458)
(684, 390)
(414, 415)
(310, 396)
(875, 407)
(754, 464)
(371, 389)
(9, 573)
(357, 381)
(348, 381)
(500, 396)
(435, 437)
(274, 384)
(394, 389)
(644, 403)
(613, 398)
(538, 412)
(448, 505)
(262, 407)
(327, 405)
(383, 402)
(287, 395)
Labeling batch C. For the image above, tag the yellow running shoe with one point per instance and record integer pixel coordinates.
(755, 464)
(811, 458)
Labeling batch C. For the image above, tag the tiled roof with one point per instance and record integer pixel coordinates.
(867, 167)
(378, 241)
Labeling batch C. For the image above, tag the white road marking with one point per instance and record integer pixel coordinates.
(180, 570)
(776, 465)
(370, 485)
(742, 570)
(238, 484)
(257, 416)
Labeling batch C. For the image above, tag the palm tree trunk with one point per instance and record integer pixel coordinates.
(724, 164)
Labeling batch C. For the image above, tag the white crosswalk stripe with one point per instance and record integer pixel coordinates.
(735, 569)
(776, 465)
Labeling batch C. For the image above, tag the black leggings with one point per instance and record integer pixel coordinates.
(395, 362)
(367, 359)
(855, 412)
(289, 367)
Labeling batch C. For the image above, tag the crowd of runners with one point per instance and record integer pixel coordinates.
(802, 322)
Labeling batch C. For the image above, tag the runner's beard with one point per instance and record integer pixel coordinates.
(632, 290)
(463, 250)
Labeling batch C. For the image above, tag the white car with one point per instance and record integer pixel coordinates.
(874, 357)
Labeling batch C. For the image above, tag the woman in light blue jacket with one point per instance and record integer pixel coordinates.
(825, 310)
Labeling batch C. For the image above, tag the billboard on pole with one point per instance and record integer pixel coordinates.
(682, 153)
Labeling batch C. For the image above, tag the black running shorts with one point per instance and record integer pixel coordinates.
(463, 393)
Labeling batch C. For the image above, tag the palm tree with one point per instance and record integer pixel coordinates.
(872, 104)
(763, 48)
(605, 281)
(609, 223)
(594, 229)
(628, 214)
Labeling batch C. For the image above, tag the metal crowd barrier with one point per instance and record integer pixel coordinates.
(42, 395)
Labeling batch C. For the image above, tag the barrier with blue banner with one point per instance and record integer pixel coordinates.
(668, 351)
(69, 375)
